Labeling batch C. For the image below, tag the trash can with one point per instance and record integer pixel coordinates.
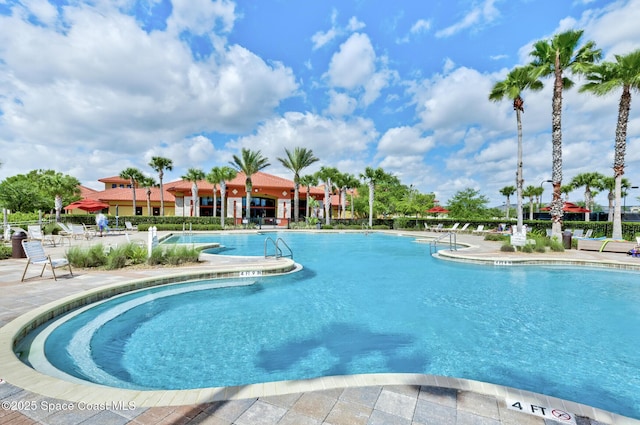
(16, 245)
(566, 239)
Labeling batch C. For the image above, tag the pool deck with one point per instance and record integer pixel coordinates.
(387, 399)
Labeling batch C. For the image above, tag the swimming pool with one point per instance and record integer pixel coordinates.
(365, 304)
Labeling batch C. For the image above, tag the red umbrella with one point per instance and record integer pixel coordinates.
(89, 205)
(438, 209)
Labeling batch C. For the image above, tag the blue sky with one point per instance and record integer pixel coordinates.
(90, 88)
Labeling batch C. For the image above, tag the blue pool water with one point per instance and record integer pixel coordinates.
(366, 304)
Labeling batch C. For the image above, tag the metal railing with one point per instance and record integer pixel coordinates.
(433, 245)
(277, 248)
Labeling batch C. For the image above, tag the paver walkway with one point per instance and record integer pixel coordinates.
(384, 404)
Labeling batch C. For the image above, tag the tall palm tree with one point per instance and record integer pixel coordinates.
(589, 181)
(371, 177)
(213, 177)
(530, 192)
(159, 164)
(134, 175)
(609, 184)
(603, 79)
(508, 191)
(518, 80)
(566, 189)
(539, 190)
(300, 159)
(225, 174)
(351, 182)
(147, 183)
(308, 181)
(250, 162)
(194, 175)
(552, 57)
(327, 175)
(340, 181)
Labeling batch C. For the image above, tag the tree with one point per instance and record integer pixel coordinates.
(134, 175)
(371, 177)
(603, 79)
(58, 186)
(518, 80)
(309, 180)
(159, 164)
(213, 177)
(508, 191)
(326, 175)
(194, 175)
(609, 183)
(530, 192)
(468, 204)
(20, 193)
(225, 174)
(566, 189)
(588, 180)
(553, 57)
(539, 190)
(250, 162)
(351, 183)
(147, 183)
(300, 159)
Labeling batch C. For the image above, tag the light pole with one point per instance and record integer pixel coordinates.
(541, 190)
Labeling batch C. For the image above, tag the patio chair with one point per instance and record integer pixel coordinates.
(130, 227)
(578, 233)
(78, 231)
(479, 230)
(36, 256)
(463, 229)
(436, 228)
(35, 232)
(452, 228)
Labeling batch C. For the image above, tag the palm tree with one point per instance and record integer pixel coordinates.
(134, 175)
(588, 180)
(508, 191)
(539, 190)
(340, 180)
(308, 181)
(603, 79)
(214, 178)
(566, 189)
(147, 183)
(327, 174)
(371, 177)
(225, 174)
(159, 164)
(609, 183)
(249, 163)
(518, 80)
(194, 175)
(351, 182)
(553, 57)
(530, 192)
(300, 159)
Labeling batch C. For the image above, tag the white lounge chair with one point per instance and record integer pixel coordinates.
(452, 228)
(435, 228)
(130, 227)
(479, 230)
(36, 255)
(35, 233)
(463, 229)
(78, 231)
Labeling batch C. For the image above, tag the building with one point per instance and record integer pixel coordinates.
(271, 200)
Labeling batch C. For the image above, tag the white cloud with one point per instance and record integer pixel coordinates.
(355, 24)
(404, 141)
(481, 14)
(340, 104)
(202, 16)
(354, 63)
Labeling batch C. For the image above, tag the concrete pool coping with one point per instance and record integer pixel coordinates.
(16, 373)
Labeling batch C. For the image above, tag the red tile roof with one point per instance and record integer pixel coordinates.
(125, 194)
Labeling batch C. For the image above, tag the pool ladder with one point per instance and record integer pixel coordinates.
(433, 245)
(278, 250)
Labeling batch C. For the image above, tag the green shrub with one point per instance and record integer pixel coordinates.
(157, 257)
(556, 245)
(87, 258)
(527, 248)
(496, 237)
(5, 252)
(507, 247)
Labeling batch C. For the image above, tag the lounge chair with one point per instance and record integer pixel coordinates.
(463, 229)
(35, 233)
(577, 233)
(130, 227)
(435, 228)
(36, 255)
(479, 230)
(587, 235)
(452, 228)
(78, 231)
